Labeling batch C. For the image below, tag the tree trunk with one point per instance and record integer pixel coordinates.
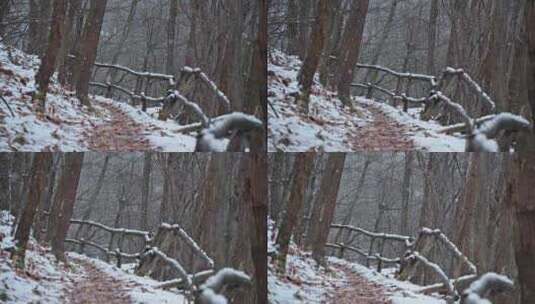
(171, 31)
(145, 191)
(48, 62)
(36, 185)
(5, 176)
(256, 84)
(465, 212)
(88, 48)
(530, 27)
(292, 24)
(350, 49)
(524, 213)
(312, 60)
(301, 172)
(67, 41)
(405, 192)
(256, 195)
(328, 193)
(432, 37)
(64, 200)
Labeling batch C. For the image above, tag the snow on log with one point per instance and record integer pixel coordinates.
(175, 96)
(462, 126)
(488, 283)
(196, 278)
(397, 74)
(209, 83)
(361, 252)
(504, 122)
(462, 280)
(193, 245)
(395, 237)
(450, 245)
(224, 126)
(186, 279)
(443, 277)
(227, 278)
(110, 229)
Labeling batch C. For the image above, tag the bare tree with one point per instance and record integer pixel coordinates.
(48, 63)
(36, 185)
(88, 48)
(328, 193)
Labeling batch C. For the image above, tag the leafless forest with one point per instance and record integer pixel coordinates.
(461, 62)
(441, 220)
(179, 218)
(193, 61)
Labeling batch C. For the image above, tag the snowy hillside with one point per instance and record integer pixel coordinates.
(330, 126)
(340, 282)
(67, 125)
(84, 279)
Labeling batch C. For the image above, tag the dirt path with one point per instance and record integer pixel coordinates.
(119, 133)
(97, 287)
(358, 290)
(383, 134)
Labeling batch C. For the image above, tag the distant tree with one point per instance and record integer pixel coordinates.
(327, 195)
(35, 185)
(88, 48)
(4, 181)
(530, 27)
(292, 25)
(145, 190)
(317, 41)
(171, 33)
(48, 62)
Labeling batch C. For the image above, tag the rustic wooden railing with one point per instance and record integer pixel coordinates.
(192, 284)
(479, 131)
(230, 124)
(415, 251)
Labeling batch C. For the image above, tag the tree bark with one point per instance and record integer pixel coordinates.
(48, 62)
(292, 24)
(256, 195)
(301, 172)
(405, 192)
(350, 49)
(88, 48)
(432, 37)
(145, 192)
(524, 213)
(36, 185)
(64, 200)
(312, 60)
(529, 19)
(327, 196)
(171, 32)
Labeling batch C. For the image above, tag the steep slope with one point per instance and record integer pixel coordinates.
(371, 126)
(66, 125)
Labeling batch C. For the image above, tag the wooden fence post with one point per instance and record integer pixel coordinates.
(143, 102)
(342, 248)
(370, 90)
(82, 246)
(405, 103)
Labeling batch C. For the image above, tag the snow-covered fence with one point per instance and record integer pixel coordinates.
(203, 287)
(480, 132)
(415, 251)
(234, 125)
(370, 255)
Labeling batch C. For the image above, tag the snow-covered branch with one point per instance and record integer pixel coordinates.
(143, 234)
(224, 126)
(175, 96)
(186, 279)
(489, 283)
(397, 74)
(433, 266)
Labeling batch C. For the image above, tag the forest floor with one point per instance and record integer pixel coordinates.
(66, 125)
(329, 126)
(82, 280)
(339, 281)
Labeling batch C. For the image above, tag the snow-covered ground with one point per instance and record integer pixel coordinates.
(306, 282)
(46, 281)
(330, 126)
(66, 125)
